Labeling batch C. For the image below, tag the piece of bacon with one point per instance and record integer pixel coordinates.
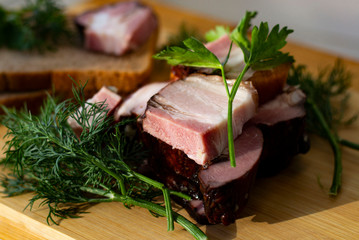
(191, 115)
(117, 29)
(282, 121)
(135, 105)
(106, 96)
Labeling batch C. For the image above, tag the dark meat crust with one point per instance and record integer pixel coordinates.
(170, 158)
(282, 141)
(224, 204)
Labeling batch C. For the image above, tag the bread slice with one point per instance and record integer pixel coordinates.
(21, 71)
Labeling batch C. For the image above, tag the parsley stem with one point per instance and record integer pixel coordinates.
(232, 95)
(238, 81)
(334, 142)
(225, 82)
(228, 54)
(232, 156)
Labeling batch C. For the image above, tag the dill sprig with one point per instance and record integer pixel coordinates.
(67, 172)
(40, 25)
(326, 106)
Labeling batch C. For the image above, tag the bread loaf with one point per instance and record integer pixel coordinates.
(26, 72)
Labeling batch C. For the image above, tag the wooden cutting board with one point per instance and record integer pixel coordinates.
(291, 205)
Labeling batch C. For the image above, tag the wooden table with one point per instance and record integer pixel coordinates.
(291, 205)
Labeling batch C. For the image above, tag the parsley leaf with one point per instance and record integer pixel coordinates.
(216, 33)
(263, 51)
(265, 48)
(239, 34)
(195, 54)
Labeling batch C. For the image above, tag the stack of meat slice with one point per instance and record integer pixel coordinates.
(282, 122)
(186, 126)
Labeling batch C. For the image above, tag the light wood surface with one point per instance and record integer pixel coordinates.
(291, 205)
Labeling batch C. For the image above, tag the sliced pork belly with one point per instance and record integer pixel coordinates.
(191, 115)
(225, 189)
(118, 28)
(285, 106)
(104, 95)
(282, 122)
(135, 105)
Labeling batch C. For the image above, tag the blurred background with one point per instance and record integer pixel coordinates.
(332, 26)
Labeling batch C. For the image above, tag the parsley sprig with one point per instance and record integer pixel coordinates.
(67, 173)
(261, 52)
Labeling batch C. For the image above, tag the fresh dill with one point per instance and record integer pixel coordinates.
(326, 107)
(260, 52)
(67, 172)
(40, 25)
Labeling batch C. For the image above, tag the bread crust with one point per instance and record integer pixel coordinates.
(26, 81)
(32, 100)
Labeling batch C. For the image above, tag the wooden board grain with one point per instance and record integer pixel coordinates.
(291, 205)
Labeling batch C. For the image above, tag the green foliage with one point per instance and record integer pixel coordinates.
(67, 172)
(183, 33)
(263, 51)
(216, 33)
(194, 54)
(329, 91)
(326, 107)
(240, 34)
(40, 25)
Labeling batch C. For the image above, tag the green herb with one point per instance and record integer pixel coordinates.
(193, 54)
(40, 25)
(67, 173)
(217, 33)
(261, 52)
(183, 33)
(326, 106)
